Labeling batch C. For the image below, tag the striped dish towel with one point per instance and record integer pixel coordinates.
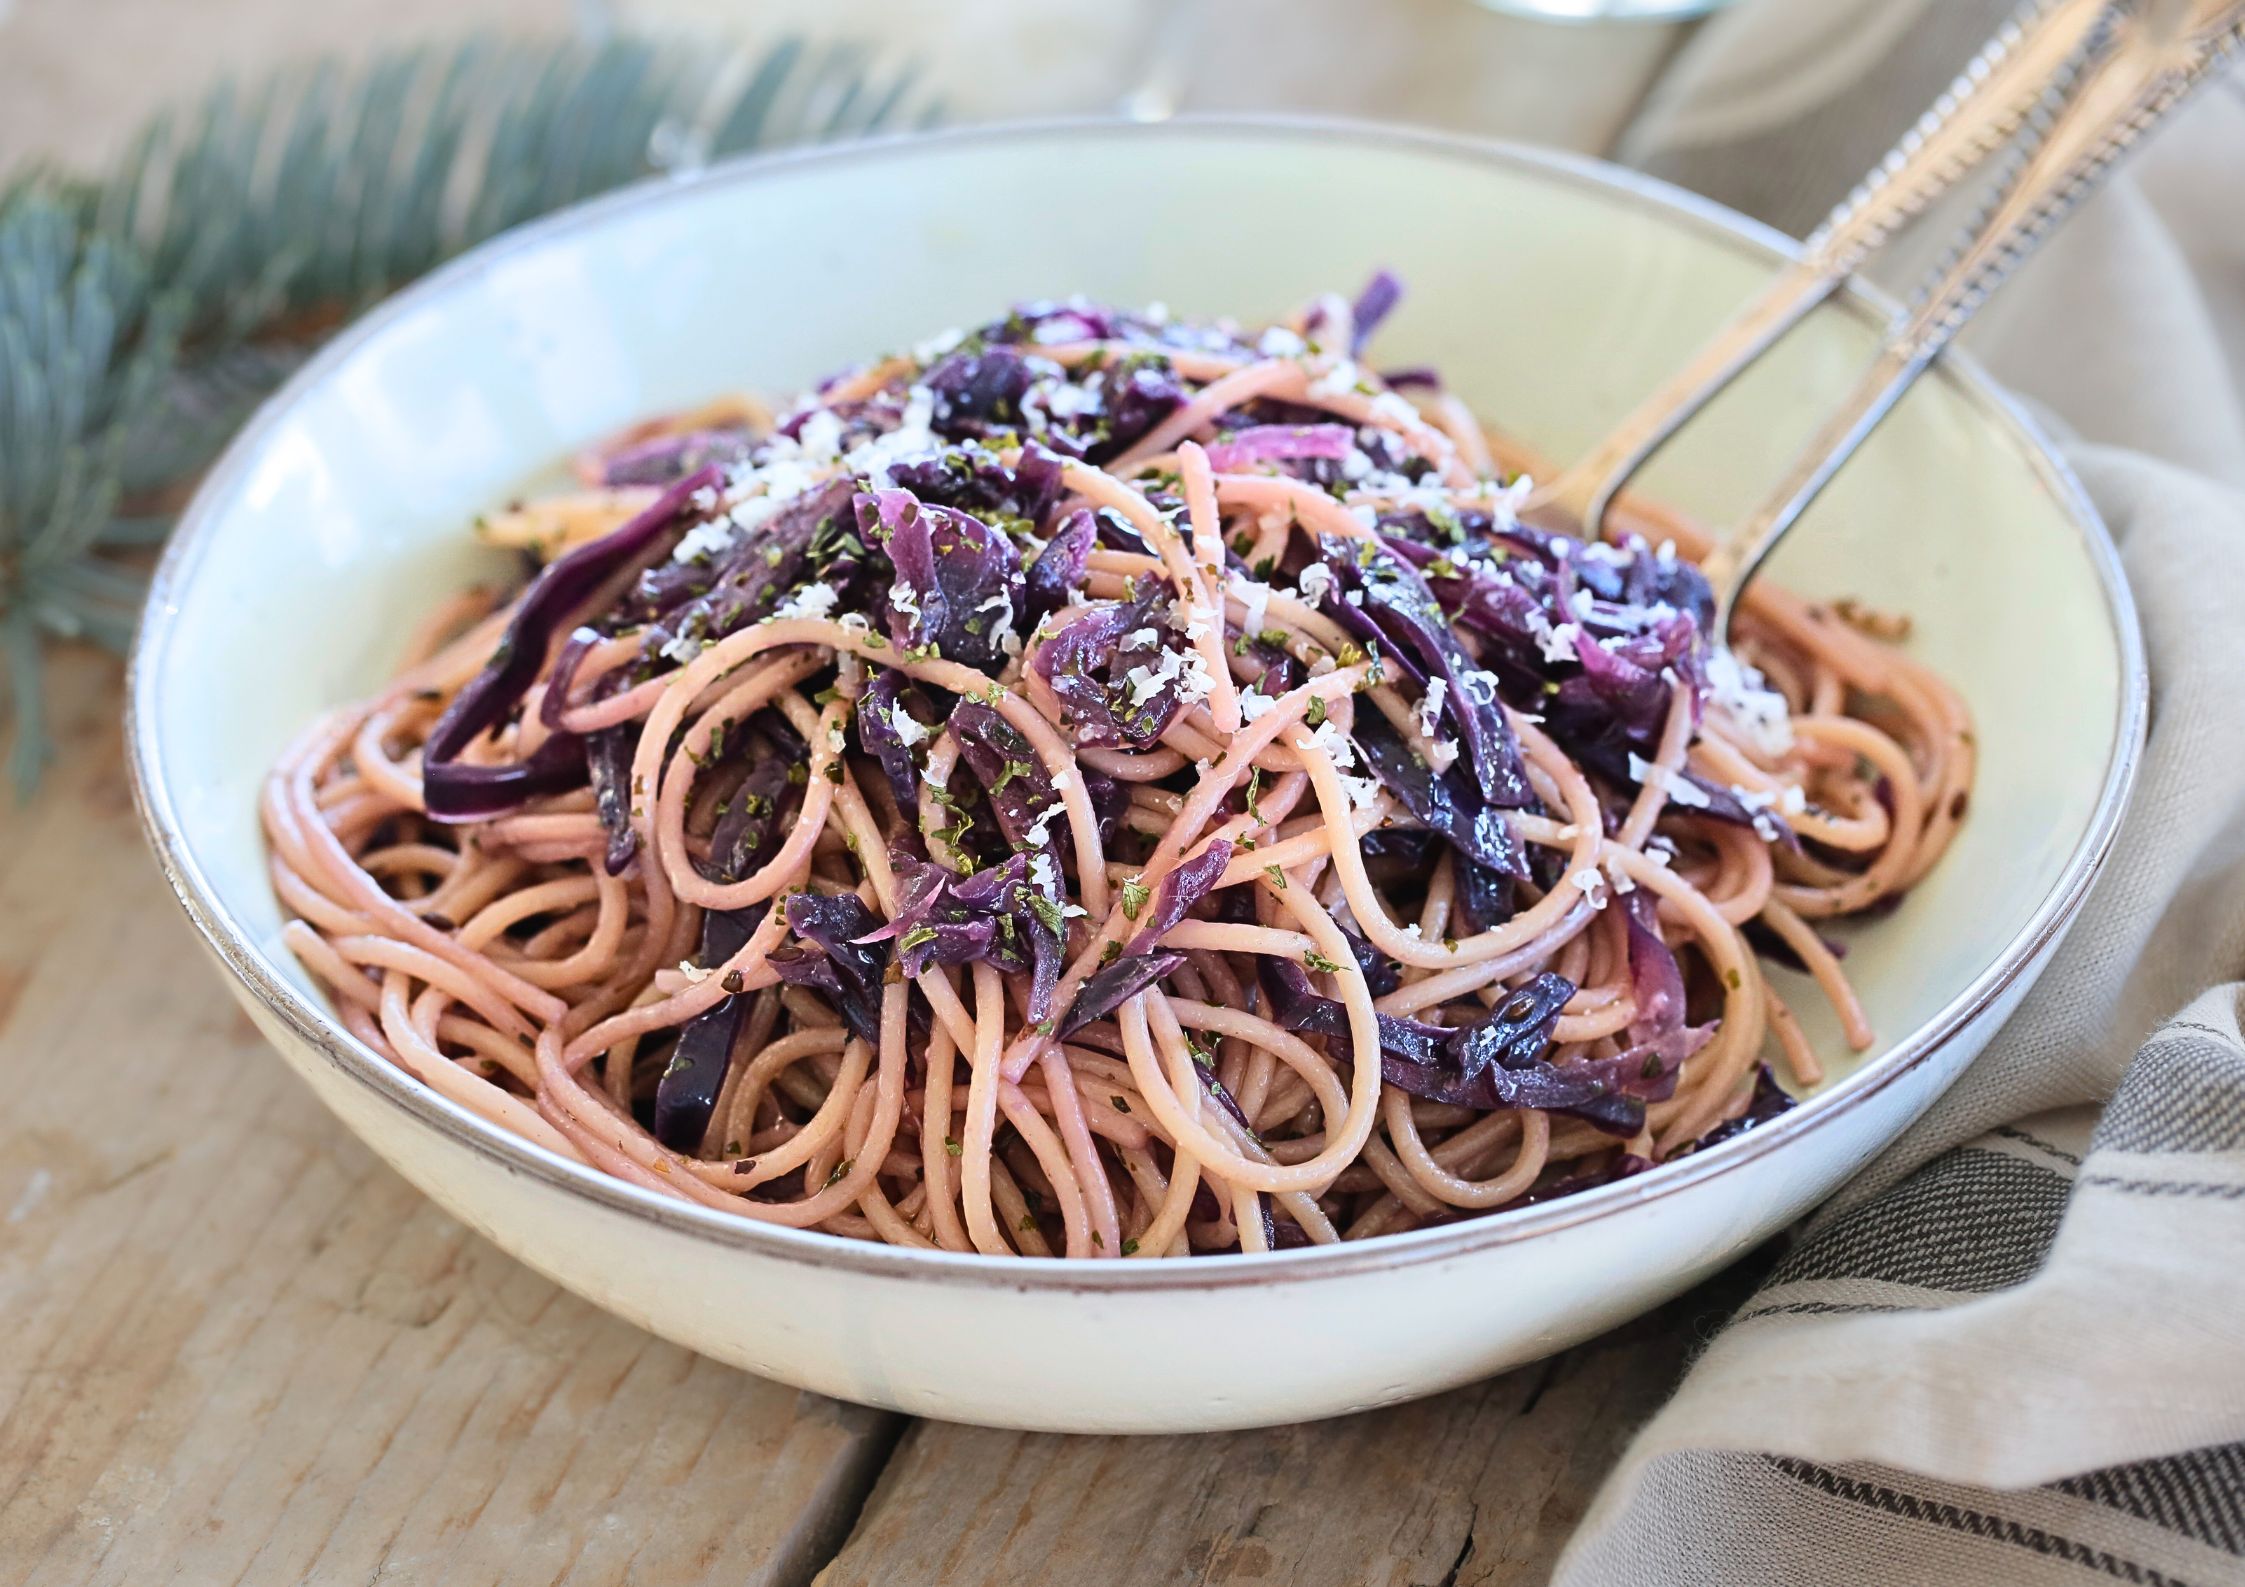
(2014, 1350)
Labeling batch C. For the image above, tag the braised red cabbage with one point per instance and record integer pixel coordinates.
(455, 791)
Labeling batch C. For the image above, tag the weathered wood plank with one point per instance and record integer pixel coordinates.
(1476, 1488)
(235, 1347)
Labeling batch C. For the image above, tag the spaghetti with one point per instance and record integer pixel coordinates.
(1105, 786)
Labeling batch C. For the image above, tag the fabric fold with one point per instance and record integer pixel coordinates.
(2014, 1349)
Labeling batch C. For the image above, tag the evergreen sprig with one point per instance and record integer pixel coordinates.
(143, 314)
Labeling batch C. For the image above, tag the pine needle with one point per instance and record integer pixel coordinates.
(142, 316)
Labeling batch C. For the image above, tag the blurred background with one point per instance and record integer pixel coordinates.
(77, 76)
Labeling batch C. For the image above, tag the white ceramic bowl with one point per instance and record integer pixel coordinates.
(1553, 292)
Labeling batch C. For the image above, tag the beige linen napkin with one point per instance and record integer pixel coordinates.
(2014, 1351)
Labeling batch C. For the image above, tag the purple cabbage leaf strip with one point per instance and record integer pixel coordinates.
(945, 918)
(1108, 989)
(1021, 792)
(561, 679)
(1088, 664)
(1375, 303)
(754, 819)
(1134, 393)
(888, 696)
(1656, 980)
(1027, 807)
(1486, 898)
(1185, 885)
(704, 598)
(958, 581)
(1382, 974)
(1396, 600)
(1447, 804)
(1059, 567)
(686, 1093)
(608, 756)
(980, 391)
(848, 970)
(971, 479)
(1660, 1041)
(1768, 1101)
(453, 791)
(1592, 637)
(1496, 1063)
(668, 457)
(1279, 443)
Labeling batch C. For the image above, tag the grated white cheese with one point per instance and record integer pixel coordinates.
(1279, 342)
(812, 600)
(1757, 714)
(1146, 682)
(911, 438)
(1396, 409)
(1002, 632)
(1592, 885)
(1430, 706)
(695, 973)
(1253, 704)
(684, 648)
(908, 729)
(1340, 380)
(1255, 597)
(936, 346)
(820, 436)
(1312, 583)
(1558, 644)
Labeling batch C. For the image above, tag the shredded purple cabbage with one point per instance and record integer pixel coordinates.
(839, 961)
(672, 457)
(958, 581)
(1089, 665)
(1185, 885)
(686, 1092)
(1108, 989)
(455, 791)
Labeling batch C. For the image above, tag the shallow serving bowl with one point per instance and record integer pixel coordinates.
(1553, 292)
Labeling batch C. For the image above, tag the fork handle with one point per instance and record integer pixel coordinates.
(2149, 69)
(1980, 112)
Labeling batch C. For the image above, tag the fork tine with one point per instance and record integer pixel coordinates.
(1978, 114)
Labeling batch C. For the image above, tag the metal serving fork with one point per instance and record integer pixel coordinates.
(2074, 86)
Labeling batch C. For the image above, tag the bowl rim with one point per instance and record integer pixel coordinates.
(311, 1022)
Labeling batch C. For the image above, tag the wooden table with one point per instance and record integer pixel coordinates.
(234, 1347)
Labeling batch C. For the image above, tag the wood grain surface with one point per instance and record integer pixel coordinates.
(235, 1348)
(1476, 1488)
